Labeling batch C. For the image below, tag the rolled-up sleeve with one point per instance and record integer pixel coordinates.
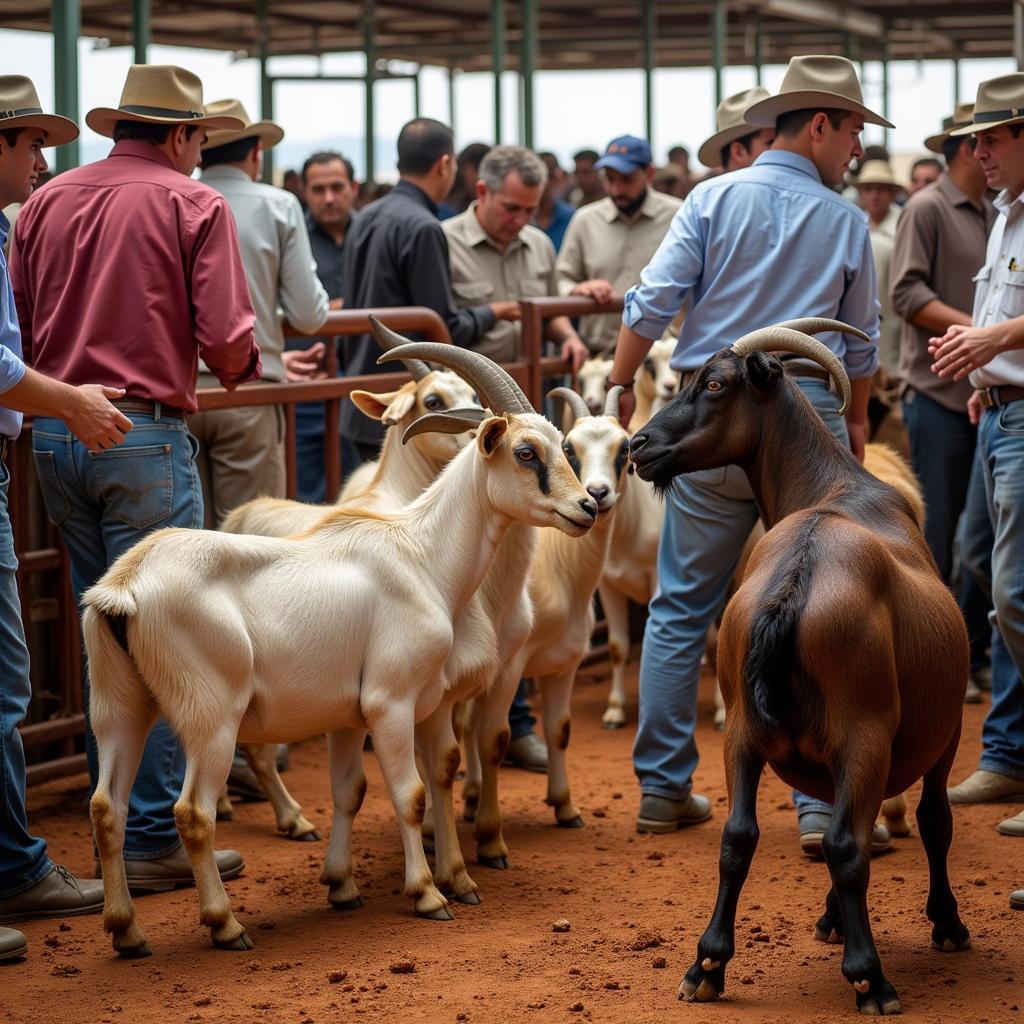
(860, 308)
(302, 296)
(12, 369)
(916, 240)
(674, 269)
(223, 316)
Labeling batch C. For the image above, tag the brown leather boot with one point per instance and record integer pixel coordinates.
(59, 894)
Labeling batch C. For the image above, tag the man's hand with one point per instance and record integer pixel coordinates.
(574, 349)
(305, 364)
(962, 349)
(974, 408)
(595, 288)
(506, 310)
(336, 304)
(858, 435)
(93, 420)
(627, 406)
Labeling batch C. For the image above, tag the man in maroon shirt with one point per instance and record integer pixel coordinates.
(127, 270)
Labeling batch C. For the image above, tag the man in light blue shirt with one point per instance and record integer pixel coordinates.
(767, 243)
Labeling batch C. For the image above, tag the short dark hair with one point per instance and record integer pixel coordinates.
(746, 141)
(327, 156)
(230, 153)
(142, 131)
(1016, 129)
(587, 154)
(10, 136)
(421, 143)
(951, 148)
(924, 161)
(791, 123)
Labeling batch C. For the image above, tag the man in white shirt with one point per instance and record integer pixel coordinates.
(242, 452)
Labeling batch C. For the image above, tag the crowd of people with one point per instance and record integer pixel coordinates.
(174, 281)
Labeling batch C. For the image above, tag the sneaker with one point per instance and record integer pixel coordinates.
(814, 824)
(59, 894)
(12, 944)
(985, 787)
(529, 752)
(175, 871)
(973, 694)
(659, 814)
(1012, 826)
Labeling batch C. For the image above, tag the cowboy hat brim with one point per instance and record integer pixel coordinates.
(102, 120)
(765, 113)
(268, 133)
(59, 130)
(934, 143)
(710, 152)
(983, 126)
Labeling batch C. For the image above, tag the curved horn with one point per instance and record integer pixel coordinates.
(454, 421)
(774, 339)
(820, 324)
(578, 406)
(497, 390)
(388, 339)
(611, 402)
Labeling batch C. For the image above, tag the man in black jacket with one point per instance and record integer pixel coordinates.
(396, 254)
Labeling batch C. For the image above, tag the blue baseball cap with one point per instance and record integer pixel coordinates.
(626, 154)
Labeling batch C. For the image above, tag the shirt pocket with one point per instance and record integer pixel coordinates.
(533, 289)
(473, 293)
(1011, 302)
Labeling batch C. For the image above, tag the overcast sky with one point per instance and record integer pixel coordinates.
(573, 109)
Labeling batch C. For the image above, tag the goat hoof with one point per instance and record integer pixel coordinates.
(500, 862)
(135, 952)
(225, 815)
(237, 945)
(348, 904)
(441, 914)
(471, 899)
(832, 937)
(576, 822)
(878, 999)
(305, 837)
(613, 725)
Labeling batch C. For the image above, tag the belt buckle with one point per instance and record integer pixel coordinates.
(989, 398)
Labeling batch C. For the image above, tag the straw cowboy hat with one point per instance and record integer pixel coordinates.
(876, 172)
(158, 94)
(267, 132)
(729, 124)
(999, 101)
(20, 108)
(963, 115)
(819, 82)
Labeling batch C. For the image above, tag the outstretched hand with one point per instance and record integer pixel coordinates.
(963, 349)
(304, 364)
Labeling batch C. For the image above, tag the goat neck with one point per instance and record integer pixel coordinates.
(403, 472)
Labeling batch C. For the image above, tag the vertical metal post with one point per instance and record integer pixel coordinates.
(956, 81)
(527, 66)
(649, 20)
(369, 48)
(67, 23)
(451, 96)
(266, 83)
(497, 60)
(758, 50)
(140, 29)
(1018, 33)
(885, 79)
(719, 24)
(416, 99)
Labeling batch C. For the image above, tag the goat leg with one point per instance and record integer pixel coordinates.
(556, 692)
(262, 758)
(705, 980)
(616, 614)
(348, 787)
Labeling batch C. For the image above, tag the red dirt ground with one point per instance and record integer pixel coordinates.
(636, 905)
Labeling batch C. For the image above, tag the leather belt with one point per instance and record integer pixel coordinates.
(993, 398)
(158, 410)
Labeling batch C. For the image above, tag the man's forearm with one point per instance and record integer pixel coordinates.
(861, 391)
(39, 395)
(630, 351)
(559, 329)
(938, 317)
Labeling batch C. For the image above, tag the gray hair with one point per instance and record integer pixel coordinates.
(501, 161)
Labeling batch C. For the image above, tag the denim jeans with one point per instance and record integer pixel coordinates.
(708, 517)
(103, 503)
(23, 858)
(1001, 470)
(520, 718)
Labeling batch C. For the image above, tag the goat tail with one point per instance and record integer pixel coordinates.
(115, 681)
(771, 651)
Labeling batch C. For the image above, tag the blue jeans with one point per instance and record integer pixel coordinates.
(520, 718)
(708, 517)
(1001, 470)
(103, 503)
(23, 858)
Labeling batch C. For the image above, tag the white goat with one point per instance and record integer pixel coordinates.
(655, 382)
(272, 640)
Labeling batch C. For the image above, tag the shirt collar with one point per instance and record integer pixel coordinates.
(407, 188)
(475, 233)
(221, 172)
(5, 228)
(314, 228)
(648, 208)
(791, 161)
(142, 151)
(1005, 203)
(954, 193)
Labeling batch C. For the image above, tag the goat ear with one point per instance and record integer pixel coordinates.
(372, 405)
(763, 371)
(490, 434)
(399, 406)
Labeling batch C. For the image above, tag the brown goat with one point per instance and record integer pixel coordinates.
(842, 656)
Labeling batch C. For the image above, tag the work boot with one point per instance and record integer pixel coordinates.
(1017, 899)
(973, 694)
(659, 814)
(529, 752)
(1012, 826)
(985, 787)
(814, 824)
(12, 944)
(59, 894)
(175, 871)
(982, 678)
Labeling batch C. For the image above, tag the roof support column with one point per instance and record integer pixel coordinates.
(885, 79)
(718, 29)
(497, 60)
(369, 48)
(758, 50)
(451, 97)
(416, 93)
(649, 20)
(266, 84)
(1018, 33)
(956, 81)
(67, 24)
(140, 29)
(527, 65)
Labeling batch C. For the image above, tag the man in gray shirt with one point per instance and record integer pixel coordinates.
(242, 453)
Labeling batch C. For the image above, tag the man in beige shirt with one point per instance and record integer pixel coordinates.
(608, 243)
(496, 254)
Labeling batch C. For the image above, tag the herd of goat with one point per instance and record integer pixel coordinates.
(841, 656)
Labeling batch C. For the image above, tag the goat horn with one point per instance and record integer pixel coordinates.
(388, 339)
(497, 390)
(819, 324)
(611, 401)
(774, 339)
(454, 421)
(578, 406)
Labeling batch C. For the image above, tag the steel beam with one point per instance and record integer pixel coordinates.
(649, 29)
(843, 17)
(370, 49)
(67, 24)
(527, 67)
(266, 83)
(1018, 33)
(718, 29)
(497, 60)
(140, 30)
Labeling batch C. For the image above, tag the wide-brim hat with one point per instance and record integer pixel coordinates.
(962, 116)
(999, 101)
(20, 108)
(158, 94)
(267, 132)
(816, 82)
(876, 172)
(730, 124)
